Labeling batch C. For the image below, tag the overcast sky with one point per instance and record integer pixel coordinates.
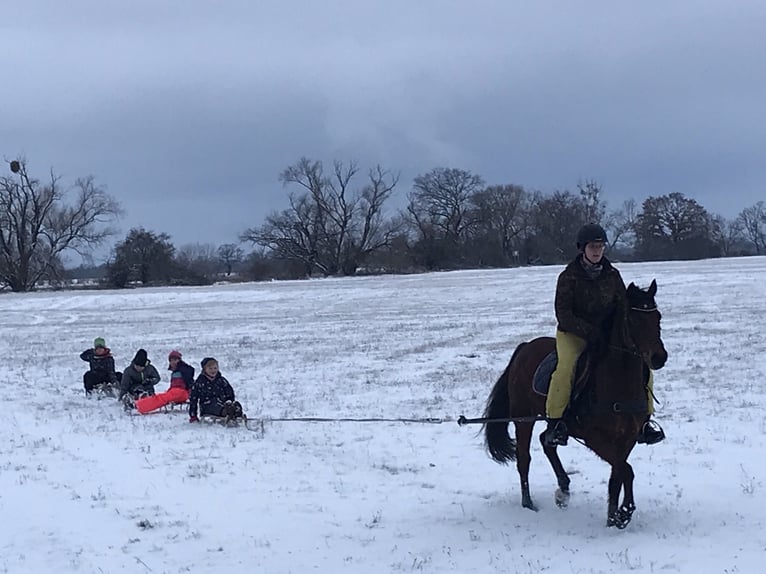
(187, 111)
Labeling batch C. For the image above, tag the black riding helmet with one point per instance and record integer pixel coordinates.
(589, 233)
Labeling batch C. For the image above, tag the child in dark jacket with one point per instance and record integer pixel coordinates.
(101, 367)
(213, 394)
(139, 377)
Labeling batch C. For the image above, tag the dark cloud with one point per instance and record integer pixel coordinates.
(188, 111)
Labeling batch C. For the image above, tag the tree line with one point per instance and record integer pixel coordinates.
(338, 221)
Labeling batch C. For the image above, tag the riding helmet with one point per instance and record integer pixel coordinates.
(589, 233)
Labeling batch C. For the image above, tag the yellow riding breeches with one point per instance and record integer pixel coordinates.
(568, 347)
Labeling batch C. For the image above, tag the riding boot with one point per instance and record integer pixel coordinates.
(650, 433)
(556, 434)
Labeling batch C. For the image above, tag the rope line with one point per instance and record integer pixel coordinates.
(426, 420)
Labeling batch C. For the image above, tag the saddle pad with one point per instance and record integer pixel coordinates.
(542, 378)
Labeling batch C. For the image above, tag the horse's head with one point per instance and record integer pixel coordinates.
(644, 325)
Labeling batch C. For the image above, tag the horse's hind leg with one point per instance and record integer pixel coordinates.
(562, 493)
(523, 460)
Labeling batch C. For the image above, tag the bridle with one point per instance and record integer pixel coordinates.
(644, 308)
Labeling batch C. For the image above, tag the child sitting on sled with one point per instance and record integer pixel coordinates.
(213, 394)
(181, 381)
(176, 363)
(138, 379)
(176, 394)
(101, 373)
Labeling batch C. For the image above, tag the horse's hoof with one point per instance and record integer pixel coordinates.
(562, 498)
(620, 518)
(527, 503)
(617, 522)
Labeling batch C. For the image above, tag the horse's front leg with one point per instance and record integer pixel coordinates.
(562, 493)
(621, 479)
(523, 461)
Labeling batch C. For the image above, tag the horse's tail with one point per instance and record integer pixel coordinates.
(501, 447)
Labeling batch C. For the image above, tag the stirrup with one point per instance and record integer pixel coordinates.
(556, 434)
(651, 433)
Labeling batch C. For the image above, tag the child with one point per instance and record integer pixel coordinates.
(213, 393)
(176, 363)
(139, 378)
(101, 366)
(177, 393)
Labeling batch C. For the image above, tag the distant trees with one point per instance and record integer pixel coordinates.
(230, 254)
(337, 222)
(753, 224)
(142, 256)
(441, 214)
(40, 222)
(621, 225)
(452, 219)
(150, 258)
(332, 225)
(673, 226)
(195, 264)
(556, 220)
(502, 221)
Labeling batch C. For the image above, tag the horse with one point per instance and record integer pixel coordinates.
(606, 416)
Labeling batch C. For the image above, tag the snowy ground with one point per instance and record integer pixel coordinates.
(87, 488)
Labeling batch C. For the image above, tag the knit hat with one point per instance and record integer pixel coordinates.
(99, 342)
(174, 353)
(140, 359)
(206, 360)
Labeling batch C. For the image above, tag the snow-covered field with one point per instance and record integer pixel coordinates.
(87, 488)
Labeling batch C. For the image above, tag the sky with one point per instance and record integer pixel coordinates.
(187, 111)
(86, 487)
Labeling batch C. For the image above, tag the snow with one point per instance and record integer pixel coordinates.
(86, 488)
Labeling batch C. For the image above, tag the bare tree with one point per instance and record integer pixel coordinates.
(230, 255)
(621, 225)
(331, 226)
(38, 224)
(198, 263)
(440, 212)
(502, 218)
(442, 197)
(557, 219)
(590, 194)
(753, 221)
(726, 233)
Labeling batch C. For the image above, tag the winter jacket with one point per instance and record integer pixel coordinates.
(103, 364)
(187, 372)
(132, 380)
(583, 303)
(177, 381)
(204, 391)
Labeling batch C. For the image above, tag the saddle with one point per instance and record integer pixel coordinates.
(542, 378)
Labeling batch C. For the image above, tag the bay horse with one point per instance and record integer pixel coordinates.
(608, 414)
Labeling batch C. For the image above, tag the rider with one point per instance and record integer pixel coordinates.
(587, 291)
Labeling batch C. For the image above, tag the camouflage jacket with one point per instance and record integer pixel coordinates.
(583, 303)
